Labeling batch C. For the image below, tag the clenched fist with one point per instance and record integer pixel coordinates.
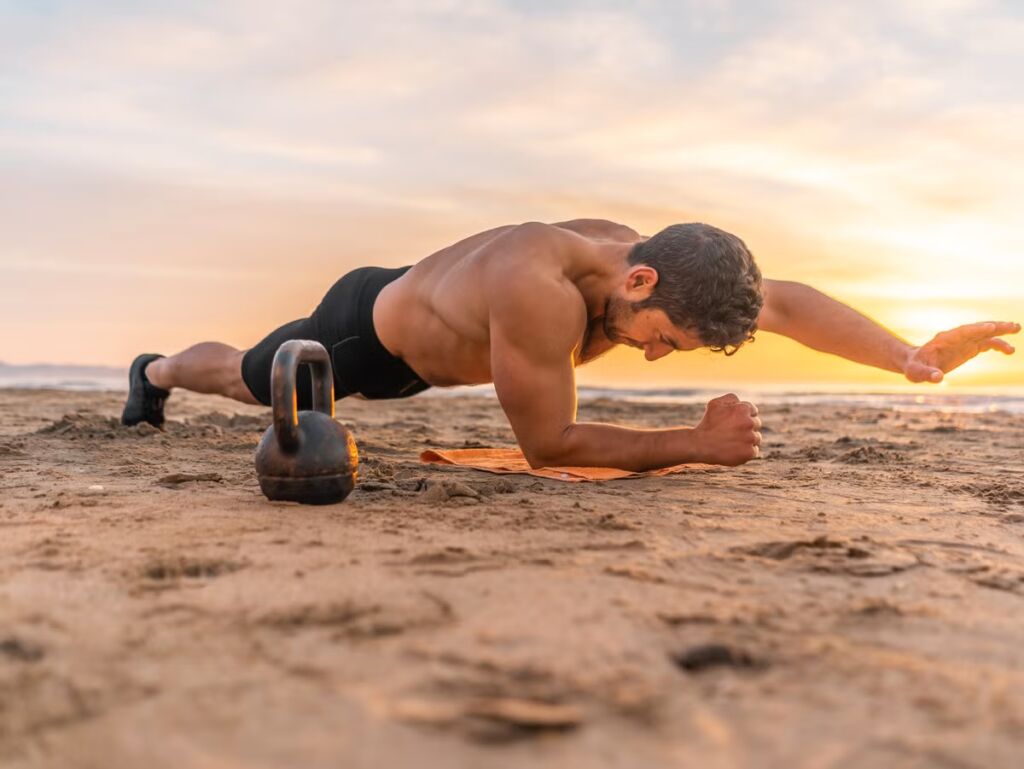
(729, 433)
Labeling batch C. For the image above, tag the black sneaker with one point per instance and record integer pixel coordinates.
(145, 401)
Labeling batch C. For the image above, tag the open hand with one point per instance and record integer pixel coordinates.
(950, 349)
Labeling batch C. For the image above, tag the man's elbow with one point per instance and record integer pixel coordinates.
(551, 453)
(538, 458)
(538, 461)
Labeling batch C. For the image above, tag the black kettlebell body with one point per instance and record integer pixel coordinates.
(305, 456)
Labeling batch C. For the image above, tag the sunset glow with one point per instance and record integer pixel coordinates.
(173, 176)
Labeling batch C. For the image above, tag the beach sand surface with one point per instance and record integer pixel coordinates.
(853, 599)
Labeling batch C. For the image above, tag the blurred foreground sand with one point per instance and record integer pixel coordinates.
(854, 599)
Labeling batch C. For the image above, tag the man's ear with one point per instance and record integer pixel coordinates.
(640, 282)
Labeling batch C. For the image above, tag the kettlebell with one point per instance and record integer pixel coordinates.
(305, 456)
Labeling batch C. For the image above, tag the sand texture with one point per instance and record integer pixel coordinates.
(854, 599)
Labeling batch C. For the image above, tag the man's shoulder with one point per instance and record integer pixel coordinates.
(542, 289)
(530, 293)
(531, 250)
(541, 231)
(601, 229)
(571, 232)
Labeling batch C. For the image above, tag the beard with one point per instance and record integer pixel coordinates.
(616, 312)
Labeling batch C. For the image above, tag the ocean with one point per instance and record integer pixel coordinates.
(1010, 400)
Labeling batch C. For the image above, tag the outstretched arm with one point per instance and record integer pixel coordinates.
(822, 323)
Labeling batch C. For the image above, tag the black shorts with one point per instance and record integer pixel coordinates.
(342, 323)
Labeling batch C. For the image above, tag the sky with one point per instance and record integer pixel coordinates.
(175, 173)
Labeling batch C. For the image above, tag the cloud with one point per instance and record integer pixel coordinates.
(442, 92)
(838, 139)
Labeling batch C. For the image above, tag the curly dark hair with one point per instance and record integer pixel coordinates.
(708, 282)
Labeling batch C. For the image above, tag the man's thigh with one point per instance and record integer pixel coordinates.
(235, 386)
(257, 363)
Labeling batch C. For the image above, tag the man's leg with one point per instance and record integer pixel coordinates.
(208, 367)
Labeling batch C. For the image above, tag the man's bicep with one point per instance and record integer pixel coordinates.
(538, 397)
(535, 382)
(772, 317)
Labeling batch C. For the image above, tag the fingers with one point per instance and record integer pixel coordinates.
(919, 372)
(998, 344)
(749, 412)
(1005, 328)
(731, 399)
(757, 438)
(984, 329)
(925, 374)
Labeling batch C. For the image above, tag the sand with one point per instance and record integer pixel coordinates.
(853, 599)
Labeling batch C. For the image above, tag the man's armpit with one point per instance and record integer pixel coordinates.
(772, 317)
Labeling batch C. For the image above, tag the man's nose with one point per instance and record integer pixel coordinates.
(653, 352)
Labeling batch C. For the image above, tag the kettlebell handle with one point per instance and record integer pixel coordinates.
(282, 384)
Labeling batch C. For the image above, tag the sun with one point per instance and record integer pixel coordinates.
(920, 324)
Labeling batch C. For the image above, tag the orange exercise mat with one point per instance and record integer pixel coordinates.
(513, 461)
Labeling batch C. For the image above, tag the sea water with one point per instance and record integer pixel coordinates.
(938, 398)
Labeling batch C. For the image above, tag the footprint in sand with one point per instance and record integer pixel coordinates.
(998, 494)
(490, 719)
(20, 650)
(697, 659)
(863, 558)
(353, 618)
(451, 561)
(1010, 580)
(171, 569)
(12, 451)
(493, 700)
(984, 565)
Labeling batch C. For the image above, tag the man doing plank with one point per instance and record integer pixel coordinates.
(522, 305)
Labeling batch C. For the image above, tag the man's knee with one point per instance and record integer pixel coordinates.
(233, 383)
(242, 393)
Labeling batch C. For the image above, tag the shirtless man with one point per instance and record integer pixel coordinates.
(522, 305)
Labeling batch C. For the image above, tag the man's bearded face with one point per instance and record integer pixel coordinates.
(647, 329)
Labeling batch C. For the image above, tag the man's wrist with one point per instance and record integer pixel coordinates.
(686, 445)
(902, 355)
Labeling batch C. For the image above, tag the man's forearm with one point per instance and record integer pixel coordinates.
(825, 324)
(593, 444)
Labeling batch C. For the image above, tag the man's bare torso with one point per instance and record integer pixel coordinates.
(436, 317)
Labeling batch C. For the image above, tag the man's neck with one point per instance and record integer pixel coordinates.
(597, 276)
